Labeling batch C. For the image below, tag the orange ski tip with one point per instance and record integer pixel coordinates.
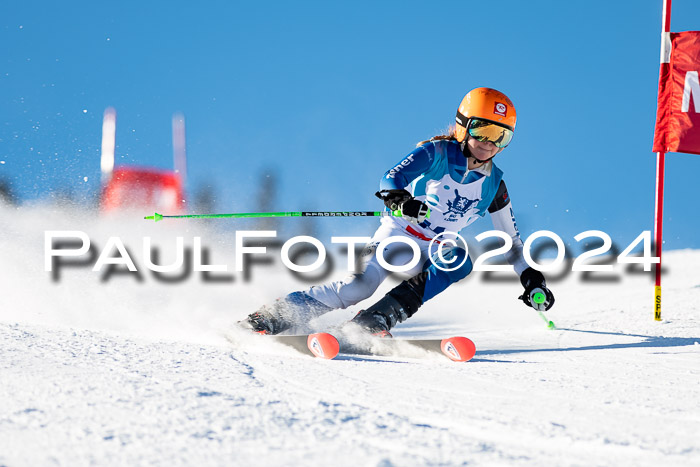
(323, 345)
(459, 349)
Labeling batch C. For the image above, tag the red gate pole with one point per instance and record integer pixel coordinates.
(660, 163)
(658, 232)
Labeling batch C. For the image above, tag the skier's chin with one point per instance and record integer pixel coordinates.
(482, 158)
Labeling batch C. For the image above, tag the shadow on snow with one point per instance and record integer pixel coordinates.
(645, 342)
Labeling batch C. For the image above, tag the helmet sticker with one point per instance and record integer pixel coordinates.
(500, 109)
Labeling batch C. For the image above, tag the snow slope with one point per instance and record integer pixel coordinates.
(128, 372)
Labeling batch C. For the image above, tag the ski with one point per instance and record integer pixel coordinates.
(457, 348)
(321, 344)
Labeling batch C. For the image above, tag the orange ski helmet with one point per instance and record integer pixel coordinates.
(486, 104)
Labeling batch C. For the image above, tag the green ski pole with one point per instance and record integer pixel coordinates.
(247, 215)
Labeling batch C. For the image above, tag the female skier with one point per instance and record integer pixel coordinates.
(454, 178)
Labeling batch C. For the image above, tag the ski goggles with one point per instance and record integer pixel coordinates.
(489, 132)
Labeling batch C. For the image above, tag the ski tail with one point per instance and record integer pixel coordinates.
(458, 348)
(323, 345)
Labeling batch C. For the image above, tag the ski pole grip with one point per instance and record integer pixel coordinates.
(398, 213)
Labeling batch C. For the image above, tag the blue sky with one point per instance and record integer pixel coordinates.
(329, 95)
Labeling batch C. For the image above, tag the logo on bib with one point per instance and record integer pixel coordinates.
(458, 206)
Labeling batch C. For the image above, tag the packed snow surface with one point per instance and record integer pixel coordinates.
(127, 369)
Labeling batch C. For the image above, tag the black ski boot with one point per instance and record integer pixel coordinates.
(263, 322)
(284, 313)
(395, 307)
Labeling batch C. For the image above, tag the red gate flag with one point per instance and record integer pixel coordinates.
(678, 109)
(142, 188)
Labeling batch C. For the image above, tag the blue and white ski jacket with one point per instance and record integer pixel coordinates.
(436, 173)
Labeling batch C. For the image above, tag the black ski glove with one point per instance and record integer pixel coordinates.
(534, 284)
(413, 210)
(393, 199)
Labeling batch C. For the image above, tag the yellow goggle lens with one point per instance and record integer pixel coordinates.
(485, 131)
